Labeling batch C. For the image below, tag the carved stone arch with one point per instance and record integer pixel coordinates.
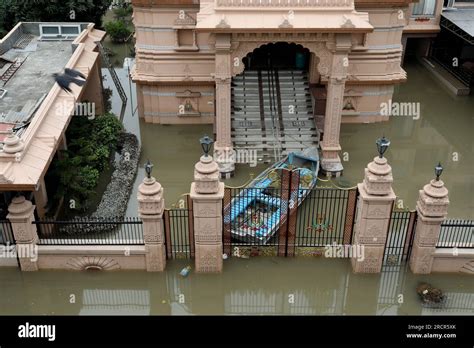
(240, 52)
(242, 48)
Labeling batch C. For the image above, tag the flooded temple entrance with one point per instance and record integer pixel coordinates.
(272, 109)
(280, 56)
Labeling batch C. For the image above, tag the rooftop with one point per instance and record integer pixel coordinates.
(34, 104)
(29, 55)
(33, 80)
(463, 18)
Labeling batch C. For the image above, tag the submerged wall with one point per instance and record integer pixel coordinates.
(453, 261)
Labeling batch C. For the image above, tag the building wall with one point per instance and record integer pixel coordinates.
(166, 70)
(174, 66)
(376, 69)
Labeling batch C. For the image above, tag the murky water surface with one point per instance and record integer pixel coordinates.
(256, 286)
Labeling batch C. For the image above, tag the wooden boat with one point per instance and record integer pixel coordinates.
(261, 208)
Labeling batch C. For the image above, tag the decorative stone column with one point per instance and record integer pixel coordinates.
(21, 216)
(41, 198)
(207, 194)
(150, 208)
(376, 199)
(223, 151)
(330, 162)
(432, 208)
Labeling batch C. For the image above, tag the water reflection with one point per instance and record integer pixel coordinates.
(115, 302)
(267, 286)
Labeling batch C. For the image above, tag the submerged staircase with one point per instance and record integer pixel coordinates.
(272, 113)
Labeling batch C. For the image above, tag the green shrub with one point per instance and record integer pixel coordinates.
(118, 31)
(91, 144)
(107, 95)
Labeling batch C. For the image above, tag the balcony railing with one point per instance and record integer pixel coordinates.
(332, 4)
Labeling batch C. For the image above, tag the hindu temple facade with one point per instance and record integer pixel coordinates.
(189, 52)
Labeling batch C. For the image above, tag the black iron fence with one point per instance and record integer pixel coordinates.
(179, 231)
(456, 233)
(90, 231)
(326, 216)
(285, 219)
(400, 237)
(6, 233)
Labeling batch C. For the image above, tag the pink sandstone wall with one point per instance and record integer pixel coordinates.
(166, 69)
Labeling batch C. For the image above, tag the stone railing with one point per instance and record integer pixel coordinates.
(331, 4)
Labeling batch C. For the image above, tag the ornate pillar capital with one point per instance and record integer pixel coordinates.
(433, 200)
(150, 197)
(378, 177)
(222, 79)
(206, 176)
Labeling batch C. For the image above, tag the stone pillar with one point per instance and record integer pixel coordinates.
(93, 92)
(41, 198)
(21, 216)
(314, 75)
(150, 208)
(331, 163)
(207, 194)
(432, 208)
(223, 151)
(376, 199)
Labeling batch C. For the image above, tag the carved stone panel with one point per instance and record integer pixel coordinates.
(421, 259)
(208, 230)
(372, 231)
(208, 209)
(427, 234)
(372, 261)
(155, 258)
(376, 209)
(208, 258)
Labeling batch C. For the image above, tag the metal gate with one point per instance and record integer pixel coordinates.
(401, 232)
(179, 231)
(309, 218)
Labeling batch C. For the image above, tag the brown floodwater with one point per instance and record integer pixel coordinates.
(268, 286)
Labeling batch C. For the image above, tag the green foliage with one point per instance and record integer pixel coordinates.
(90, 146)
(14, 11)
(107, 95)
(118, 31)
(123, 11)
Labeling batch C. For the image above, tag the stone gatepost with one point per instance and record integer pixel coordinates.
(151, 206)
(432, 208)
(207, 194)
(21, 216)
(376, 199)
